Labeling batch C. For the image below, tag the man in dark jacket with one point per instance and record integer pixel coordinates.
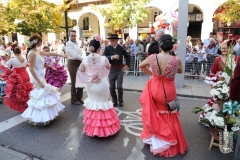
(115, 54)
(154, 47)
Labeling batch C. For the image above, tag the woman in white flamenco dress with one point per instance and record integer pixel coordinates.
(100, 117)
(44, 104)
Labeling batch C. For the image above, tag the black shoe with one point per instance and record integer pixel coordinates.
(121, 104)
(76, 103)
(81, 102)
(115, 104)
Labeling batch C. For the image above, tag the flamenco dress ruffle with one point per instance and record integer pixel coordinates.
(17, 88)
(100, 119)
(43, 106)
(58, 77)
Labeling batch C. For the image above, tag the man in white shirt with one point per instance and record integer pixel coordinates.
(74, 60)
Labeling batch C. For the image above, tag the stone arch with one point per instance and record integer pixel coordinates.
(92, 20)
(216, 5)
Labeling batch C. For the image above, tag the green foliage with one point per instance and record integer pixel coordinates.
(120, 11)
(230, 13)
(33, 16)
(197, 109)
(232, 120)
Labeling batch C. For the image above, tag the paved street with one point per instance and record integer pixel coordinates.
(64, 139)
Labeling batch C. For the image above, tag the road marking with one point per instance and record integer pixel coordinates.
(7, 124)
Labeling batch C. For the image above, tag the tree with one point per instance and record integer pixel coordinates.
(132, 11)
(28, 16)
(230, 11)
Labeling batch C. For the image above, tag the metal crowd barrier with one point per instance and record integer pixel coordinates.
(134, 64)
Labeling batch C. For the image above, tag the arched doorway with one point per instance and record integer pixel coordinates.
(88, 25)
(195, 20)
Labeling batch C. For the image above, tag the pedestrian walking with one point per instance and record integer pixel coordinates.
(115, 54)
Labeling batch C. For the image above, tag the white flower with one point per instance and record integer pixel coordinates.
(235, 128)
(219, 121)
(225, 90)
(216, 93)
(220, 96)
(212, 92)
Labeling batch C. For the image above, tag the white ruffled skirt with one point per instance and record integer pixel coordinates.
(43, 106)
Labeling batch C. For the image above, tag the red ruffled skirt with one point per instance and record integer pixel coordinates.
(100, 123)
(17, 88)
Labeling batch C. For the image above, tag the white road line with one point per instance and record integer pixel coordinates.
(7, 124)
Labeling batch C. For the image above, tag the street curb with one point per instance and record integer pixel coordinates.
(179, 95)
(14, 154)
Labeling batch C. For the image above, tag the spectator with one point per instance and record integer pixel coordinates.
(154, 47)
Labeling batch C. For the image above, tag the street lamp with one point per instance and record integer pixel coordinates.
(229, 24)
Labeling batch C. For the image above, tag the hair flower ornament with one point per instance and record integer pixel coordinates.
(35, 41)
(97, 38)
(31, 43)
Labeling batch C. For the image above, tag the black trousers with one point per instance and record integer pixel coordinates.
(116, 75)
(76, 93)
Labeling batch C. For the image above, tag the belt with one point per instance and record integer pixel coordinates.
(117, 66)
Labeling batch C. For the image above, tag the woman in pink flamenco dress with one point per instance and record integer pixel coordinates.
(100, 117)
(18, 85)
(162, 129)
(55, 75)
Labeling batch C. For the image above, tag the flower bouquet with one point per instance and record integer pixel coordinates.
(166, 20)
(223, 112)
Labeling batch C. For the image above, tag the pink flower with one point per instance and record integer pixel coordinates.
(98, 38)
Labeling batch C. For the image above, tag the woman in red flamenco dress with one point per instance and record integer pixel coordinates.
(18, 85)
(161, 126)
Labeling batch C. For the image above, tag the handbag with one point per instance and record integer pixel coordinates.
(174, 104)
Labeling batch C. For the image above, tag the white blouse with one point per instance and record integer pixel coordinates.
(15, 63)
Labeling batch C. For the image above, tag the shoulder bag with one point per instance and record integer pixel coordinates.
(174, 104)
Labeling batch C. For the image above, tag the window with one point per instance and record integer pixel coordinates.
(86, 23)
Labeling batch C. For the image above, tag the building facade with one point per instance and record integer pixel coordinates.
(90, 22)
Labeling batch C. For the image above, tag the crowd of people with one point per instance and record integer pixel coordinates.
(99, 64)
(200, 58)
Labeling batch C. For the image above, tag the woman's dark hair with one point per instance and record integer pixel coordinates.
(17, 50)
(34, 40)
(95, 44)
(166, 42)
